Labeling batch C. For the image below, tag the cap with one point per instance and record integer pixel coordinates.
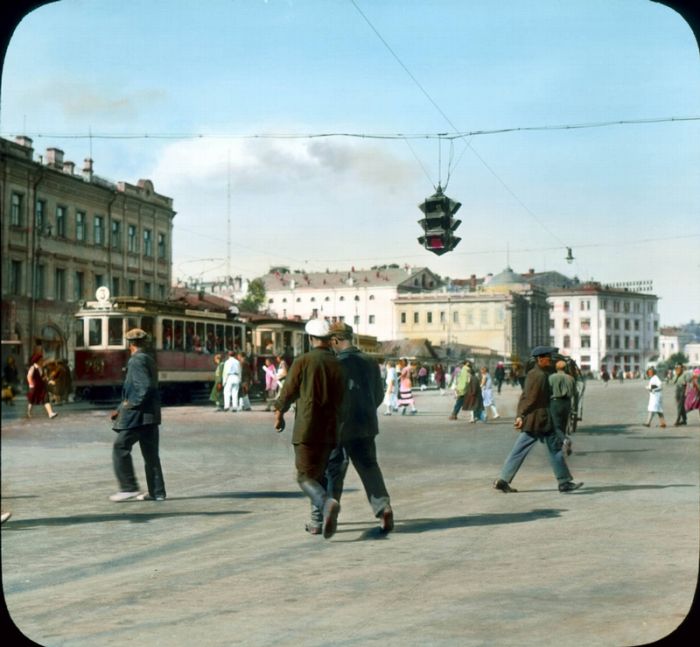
(317, 328)
(136, 333)
(341, 329)
(540, 351)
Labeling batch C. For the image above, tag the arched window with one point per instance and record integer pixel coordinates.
(371, 297)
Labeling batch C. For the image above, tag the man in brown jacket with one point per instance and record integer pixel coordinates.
(533, 422)
(316, 383)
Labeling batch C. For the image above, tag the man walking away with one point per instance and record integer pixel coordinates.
(563, 388)
(232, 382)
(680, 382)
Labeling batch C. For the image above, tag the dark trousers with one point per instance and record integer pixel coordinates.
(458, 405)
(147, 438)
(682, 417)
(311, 461)
(362, 452)
(559, 410)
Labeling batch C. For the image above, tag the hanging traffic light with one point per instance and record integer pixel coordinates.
(439, 224)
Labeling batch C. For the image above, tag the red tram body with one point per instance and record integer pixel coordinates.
(184, 342)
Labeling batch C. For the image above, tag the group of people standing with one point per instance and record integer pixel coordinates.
(232, 382)
(686, 393)
(474, 393)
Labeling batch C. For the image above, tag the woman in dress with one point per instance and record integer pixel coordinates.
(692, 393)
(487, 394)
(270, 382)
(390, 393)
(406, 388)
(655, 405)
(36, 380)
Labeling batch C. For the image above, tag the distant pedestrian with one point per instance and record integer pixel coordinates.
(406, 398)
(217, 390)
(655, 405)
(487, 394)
(440, 378)
(364, 392)
(317, 385)
(282, 371)
(232, 382)
(270, 371)
(680, 380)
(246, 378)
(460, 383)
(533, 423)
(605, 376)
(136, 421)
(423, 377)
(391, 384)
(692, 392)
(37, 382)
(473, 400)
(499, 375)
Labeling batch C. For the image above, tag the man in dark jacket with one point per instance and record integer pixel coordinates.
(533, 421)
(136, 421)
(316, 384)
(364, 393)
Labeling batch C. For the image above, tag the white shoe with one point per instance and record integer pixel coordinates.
(145, 496)
(5, 516)
(124, 496)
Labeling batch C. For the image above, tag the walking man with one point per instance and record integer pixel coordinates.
(563, 388)
(358, 429)
(533, 423)
(232, 381)
(315, 382)
(136, 421)
(680, 381)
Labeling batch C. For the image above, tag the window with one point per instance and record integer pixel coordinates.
(161, 245)
(16, 277)
(356, 320)
(161, 292)
(99, 280)
(341, 299)
(565, 323)
(79, 286)
(98, 231)
(551, 323)
(443, 316)
(115, 285)
(40, 215)
(627, 324)
(312, 299)
(116, 237)
(566, 306)
(60, 284)
(567, 341)
(115, 331)
(16, 204)
(94, 332)
(585, 324)
(80, 226)
(371, 319)
(131, 240)
(357, 297)
(132, 288)
(371, 297)
(403, 317)
(415, 318)
(147, 290)
(327, 299)
(430, 317)
(61, 221)
(585, 341)
(147, 242)
(455, 317)
(484, 316)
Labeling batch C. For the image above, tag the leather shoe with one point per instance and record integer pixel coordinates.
(331, 509)
(569, 486)
(503, 486)
(312, 529)
(387, 522)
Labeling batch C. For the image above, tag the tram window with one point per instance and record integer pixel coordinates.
(167, 334)
(229, 337)
(189, 336)
(80, 333)
(95, 332)
(179, 335)
(198, 336)
(210, 338)
(148, 325)
(220, 338)
(267, 345)
(115, 331)
(132, 322)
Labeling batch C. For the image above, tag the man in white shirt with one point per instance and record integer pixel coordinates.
(232, 382)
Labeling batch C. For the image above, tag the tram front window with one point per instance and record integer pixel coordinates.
(115, 331)
(95, 332)
(80, 334)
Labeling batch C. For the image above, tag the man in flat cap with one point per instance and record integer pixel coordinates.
(315, 382)
(534, 423)
(136, 421)
(364, 392)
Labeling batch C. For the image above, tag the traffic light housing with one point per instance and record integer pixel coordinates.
(439, 224)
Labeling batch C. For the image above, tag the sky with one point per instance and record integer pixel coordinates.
(234, 108)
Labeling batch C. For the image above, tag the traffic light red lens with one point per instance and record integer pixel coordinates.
(436, 242)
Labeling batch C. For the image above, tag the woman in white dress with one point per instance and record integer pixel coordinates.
(487, 394)
(655, 405)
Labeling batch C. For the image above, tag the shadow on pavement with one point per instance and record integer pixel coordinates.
(405, 526)
(613, 451)
(269, 494)
(624, 488)
(137, 517)
(605, 429)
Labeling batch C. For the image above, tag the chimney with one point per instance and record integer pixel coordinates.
(69, 168)
(531, 271)
(23, 140)
(472, 281)
(87, 169)
(54, 157)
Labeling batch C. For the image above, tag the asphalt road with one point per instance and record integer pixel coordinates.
(225, 560)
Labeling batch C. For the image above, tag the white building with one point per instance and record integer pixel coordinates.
(692, 350)
(671, 341)
(603, 327)
(362, 298)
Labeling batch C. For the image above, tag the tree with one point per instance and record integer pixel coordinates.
(670, 362)
(255, 297)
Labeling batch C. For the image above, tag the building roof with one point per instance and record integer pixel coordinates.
(506, 277)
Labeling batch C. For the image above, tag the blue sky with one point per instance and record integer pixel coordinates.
(625, 198)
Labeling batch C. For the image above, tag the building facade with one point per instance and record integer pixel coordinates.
(66, 234)
(604, 327)
(362, 298)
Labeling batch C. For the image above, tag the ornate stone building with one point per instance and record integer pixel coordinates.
(64, 234)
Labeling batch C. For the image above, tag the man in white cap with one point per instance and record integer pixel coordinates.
(136, 421)
(534, 423)
(315, 382)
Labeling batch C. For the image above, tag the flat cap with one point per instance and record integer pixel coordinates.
(539, 351)
(136, 333)
(341, 329)
(317, 328)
